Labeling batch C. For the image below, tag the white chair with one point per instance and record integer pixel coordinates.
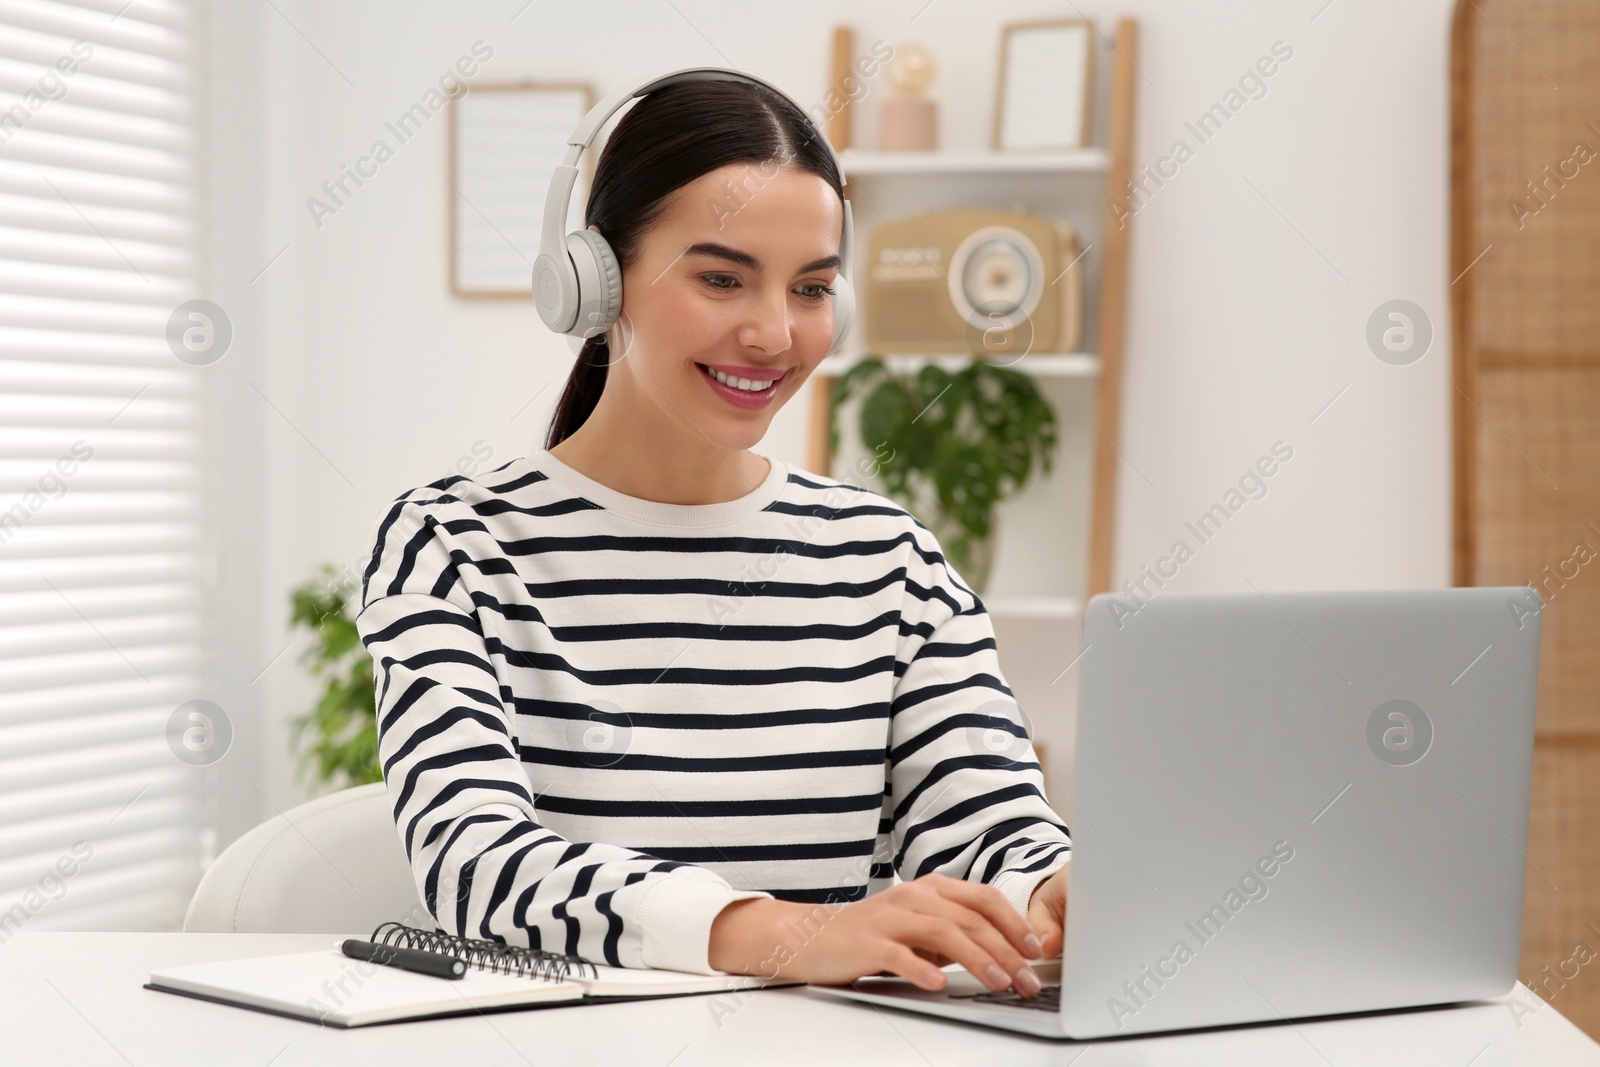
(331, 865)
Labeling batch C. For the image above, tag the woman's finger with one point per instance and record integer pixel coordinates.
(899, 959)
(992, 905)
(977, 927)
(936, 933)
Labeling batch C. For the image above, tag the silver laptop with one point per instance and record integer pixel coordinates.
(1286, 805)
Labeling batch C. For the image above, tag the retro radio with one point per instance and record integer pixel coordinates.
(973, 281)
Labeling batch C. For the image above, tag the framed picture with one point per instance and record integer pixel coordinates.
(506, 140)
(1045, 85)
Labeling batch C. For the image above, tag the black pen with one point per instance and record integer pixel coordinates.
(411, 959)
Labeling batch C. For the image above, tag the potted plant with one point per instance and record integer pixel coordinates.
(343, 726)
(969, 440)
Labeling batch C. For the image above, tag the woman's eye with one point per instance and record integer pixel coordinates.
(816, 292)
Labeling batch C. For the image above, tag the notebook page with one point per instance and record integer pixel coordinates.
(326, 985)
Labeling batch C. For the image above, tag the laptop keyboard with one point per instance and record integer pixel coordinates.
(1049, 998)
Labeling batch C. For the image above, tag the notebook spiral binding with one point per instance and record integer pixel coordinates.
(485, 955)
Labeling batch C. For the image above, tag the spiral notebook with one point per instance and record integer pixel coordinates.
(330, 988)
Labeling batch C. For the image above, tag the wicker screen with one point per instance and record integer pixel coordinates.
(1526, 259)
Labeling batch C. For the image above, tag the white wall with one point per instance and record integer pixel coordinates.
(1254, 272)
(355, 376)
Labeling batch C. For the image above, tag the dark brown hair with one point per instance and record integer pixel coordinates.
(664, 141)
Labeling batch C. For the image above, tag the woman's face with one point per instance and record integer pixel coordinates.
(732, 277)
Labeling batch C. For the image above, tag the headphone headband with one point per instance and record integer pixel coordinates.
(558, 290)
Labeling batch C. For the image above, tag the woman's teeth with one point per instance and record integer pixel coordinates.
(746, 384)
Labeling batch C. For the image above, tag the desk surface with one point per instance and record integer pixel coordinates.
(78, 998)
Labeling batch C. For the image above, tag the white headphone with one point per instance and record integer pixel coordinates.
(578, 291)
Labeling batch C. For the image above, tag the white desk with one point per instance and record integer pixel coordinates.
(77, 998)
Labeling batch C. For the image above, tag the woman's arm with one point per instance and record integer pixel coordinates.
(484, 865)
(973, 834)
(967, 789)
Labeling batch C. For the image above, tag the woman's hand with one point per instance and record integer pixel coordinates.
(910, 929)
(1047, 910)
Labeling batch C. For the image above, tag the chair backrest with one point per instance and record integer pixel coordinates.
(331, 865)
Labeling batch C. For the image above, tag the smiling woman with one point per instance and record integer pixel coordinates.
(650, 698)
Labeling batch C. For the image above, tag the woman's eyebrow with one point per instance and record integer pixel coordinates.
(745, 259)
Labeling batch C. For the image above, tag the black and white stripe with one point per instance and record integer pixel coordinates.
(602, 719)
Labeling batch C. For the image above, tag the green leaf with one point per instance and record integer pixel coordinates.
(337, 737)
(967, 440)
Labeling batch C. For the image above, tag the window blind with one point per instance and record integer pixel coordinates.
(100, 575)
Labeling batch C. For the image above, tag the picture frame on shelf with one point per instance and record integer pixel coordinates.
(1045, 85)
(506, 138)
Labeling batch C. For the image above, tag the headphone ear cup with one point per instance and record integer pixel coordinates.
(844, 295)
(844, 311)
(599, 282)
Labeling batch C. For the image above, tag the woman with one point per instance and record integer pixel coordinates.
(652, 698)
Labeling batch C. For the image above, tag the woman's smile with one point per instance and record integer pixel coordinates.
(742, 387)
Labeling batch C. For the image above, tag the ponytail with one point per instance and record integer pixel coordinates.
(584, 386)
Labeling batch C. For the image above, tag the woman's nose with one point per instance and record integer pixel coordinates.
(769, 328)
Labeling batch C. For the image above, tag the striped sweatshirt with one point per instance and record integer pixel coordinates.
(601, 718)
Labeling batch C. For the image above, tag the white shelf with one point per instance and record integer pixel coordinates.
(1041, 364)
(858, 162)
(1026, 606)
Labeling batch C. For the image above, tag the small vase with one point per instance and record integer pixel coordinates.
(975, 568)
